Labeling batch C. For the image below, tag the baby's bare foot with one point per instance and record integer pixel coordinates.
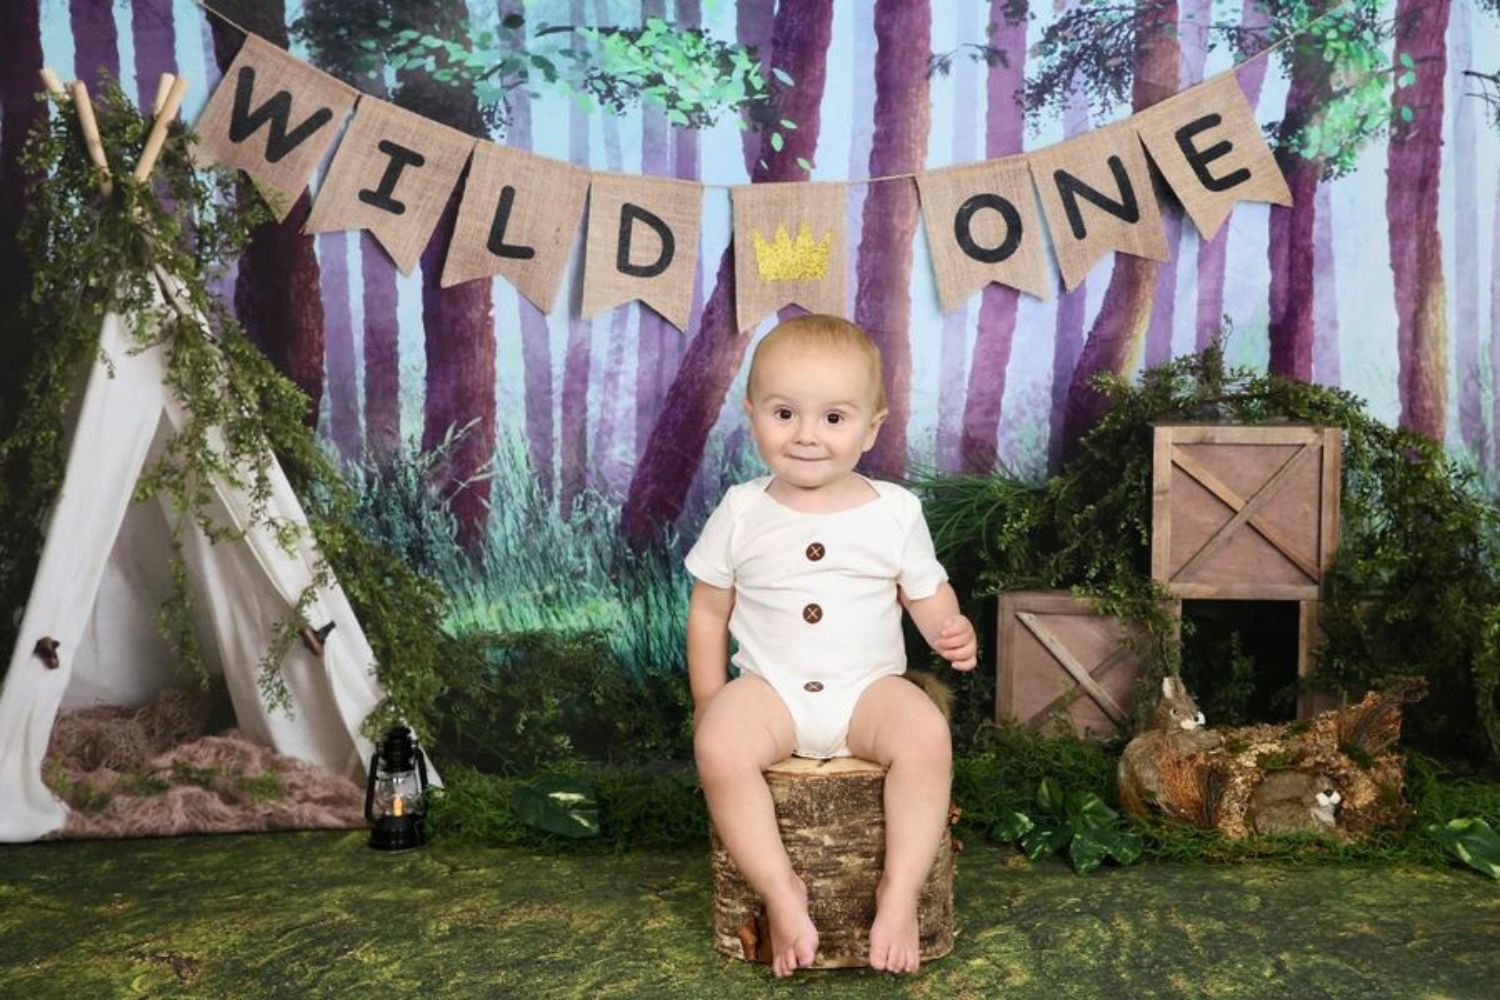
(794, 939)
(893, 935)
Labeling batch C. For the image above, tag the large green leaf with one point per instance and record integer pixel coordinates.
(1087, 851)
(558, 804)
(1010, 827)
(1038, 841)
(1085, 809)
(1049, 797)
(1473, 841)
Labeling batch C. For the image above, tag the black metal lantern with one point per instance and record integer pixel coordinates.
(396, 794)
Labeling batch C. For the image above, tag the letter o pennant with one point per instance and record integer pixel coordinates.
(982, 226)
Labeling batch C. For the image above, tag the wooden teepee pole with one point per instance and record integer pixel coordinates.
(163, 87)
(91, 138)
(53, 84)
(158, 135)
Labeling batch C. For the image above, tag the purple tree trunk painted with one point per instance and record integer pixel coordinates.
(1466, 237)
(686, 165)
(1254, 18)
(800, 41)
(20, 59)
(573, 440)
(903, 112)
(458, 323)
(155, 36)
(1414, 161)
(652, 343)
(1114, 343)
(614, 446)
(753, 22)
(1494, 328)
(536, 339)
(952, 360)
(1326, 361)
(277, 293)
(861, 131)
(96, 42)
(1193, 43)
(1072, 307)
(1291, 244)
(1005, 121)
(382, 334)
(338, 333)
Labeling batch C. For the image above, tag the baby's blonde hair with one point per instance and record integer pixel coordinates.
(822, 332)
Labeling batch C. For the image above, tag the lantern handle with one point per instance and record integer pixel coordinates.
(370, 788)
(421, 766)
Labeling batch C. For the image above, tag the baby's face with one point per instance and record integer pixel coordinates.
(812, 414)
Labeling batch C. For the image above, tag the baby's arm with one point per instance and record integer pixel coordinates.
(948, 632)
(708, 641)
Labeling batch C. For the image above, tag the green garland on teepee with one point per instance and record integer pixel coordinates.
(88, 255)
(1414, 588)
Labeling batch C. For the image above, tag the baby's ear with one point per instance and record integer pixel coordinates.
(749, 408)
(874, 430)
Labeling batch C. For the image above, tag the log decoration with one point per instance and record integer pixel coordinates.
(1338, 774)
(832, 821)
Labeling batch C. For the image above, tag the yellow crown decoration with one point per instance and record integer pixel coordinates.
(783, 260)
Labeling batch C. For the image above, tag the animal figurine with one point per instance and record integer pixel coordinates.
(1287, 802)
(1160, 770)
(1338, 773)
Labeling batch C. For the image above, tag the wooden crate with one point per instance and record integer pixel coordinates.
(1244, 513)
(1059, 655)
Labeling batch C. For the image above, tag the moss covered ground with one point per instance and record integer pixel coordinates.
(318, 914)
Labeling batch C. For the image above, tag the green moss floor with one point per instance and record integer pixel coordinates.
(318, 914)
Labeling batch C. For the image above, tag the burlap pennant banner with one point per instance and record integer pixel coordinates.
(789, 247)
(642, 244)
(1097, 197)
(273, 116)
(1208, 146)
(392, 175)
(518, 218)
(982, 226)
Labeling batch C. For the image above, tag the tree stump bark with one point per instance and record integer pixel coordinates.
(831, 815)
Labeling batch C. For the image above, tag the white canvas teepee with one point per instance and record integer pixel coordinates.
(102, 576)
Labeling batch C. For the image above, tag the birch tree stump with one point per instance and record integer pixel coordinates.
(832, 820)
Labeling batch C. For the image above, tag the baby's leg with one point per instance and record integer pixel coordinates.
(896, 724)
(744, 730)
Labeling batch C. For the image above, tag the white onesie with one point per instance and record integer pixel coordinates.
(815, 610)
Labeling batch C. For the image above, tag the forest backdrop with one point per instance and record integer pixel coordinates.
(532, 463)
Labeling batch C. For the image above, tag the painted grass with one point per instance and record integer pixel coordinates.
(318, 914)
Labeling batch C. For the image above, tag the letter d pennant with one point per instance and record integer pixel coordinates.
(642, 244)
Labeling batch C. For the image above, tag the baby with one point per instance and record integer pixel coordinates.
(809, 569)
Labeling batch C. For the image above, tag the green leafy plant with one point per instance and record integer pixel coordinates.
(1076, 822)
(558, 803)
(1472, 841)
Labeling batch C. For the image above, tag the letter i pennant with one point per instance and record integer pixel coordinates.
(273, 117)
(642, 244)
(789, 246)
(982, 226)
(392, 175)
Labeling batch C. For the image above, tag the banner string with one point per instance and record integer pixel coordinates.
(877, 179)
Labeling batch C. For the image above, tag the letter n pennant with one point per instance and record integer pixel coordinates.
(273, 117)
(642, 244)
(789, 246)
(982, 226)
(1207, 145)
(392, 175)
(1097, 196)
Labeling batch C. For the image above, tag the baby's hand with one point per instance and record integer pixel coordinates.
(956, 643)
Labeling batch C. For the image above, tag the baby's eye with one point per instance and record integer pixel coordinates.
(835, 418)
(783, 413)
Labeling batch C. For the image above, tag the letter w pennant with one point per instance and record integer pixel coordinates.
(273, 117)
